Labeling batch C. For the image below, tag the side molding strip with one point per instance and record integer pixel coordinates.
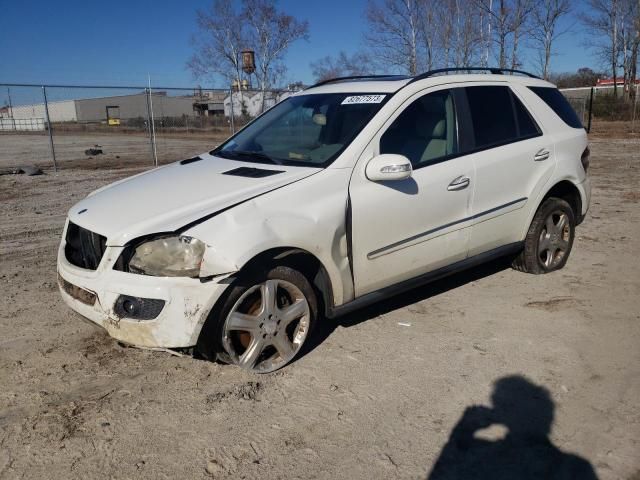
(381, 251)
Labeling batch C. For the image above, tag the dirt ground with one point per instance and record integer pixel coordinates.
(120, 150)
(378, 395)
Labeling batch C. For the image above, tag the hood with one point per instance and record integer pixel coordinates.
(170, 197)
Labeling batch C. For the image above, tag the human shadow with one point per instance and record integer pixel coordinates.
(525, 452)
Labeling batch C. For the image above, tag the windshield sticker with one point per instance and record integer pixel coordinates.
(363, 99)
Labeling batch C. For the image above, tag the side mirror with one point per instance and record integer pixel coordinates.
(388, 166)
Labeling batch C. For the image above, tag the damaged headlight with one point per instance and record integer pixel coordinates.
(178, 256)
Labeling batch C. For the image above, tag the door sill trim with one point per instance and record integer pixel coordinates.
(390, 291)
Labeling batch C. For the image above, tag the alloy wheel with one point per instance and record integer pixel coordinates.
(267, 326)
(554, 241)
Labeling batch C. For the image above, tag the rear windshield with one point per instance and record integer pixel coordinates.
(308, 130)
(559, 104)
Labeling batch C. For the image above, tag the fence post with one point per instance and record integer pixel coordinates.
(46, 112)
(635, 104)
(153, 128)
(590, 110)
(13, 120)
(233, 126)
(147, 92)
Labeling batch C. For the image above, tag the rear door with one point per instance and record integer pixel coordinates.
(513, 160)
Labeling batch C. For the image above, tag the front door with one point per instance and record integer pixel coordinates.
(401, 229)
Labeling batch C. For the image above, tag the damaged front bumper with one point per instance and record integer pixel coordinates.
(180, 305)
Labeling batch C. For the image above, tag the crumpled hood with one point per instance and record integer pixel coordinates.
(170, 197)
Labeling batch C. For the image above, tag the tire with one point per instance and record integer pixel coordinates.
(549, 239)
(247, 329)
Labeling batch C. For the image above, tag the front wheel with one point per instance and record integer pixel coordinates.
(549, 239)
(263, 322)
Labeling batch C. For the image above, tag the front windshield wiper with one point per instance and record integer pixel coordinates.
(258, 156)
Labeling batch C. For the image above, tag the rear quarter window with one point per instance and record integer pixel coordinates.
(552, 97)
(527, 127)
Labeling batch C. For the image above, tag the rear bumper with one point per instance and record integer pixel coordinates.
(188, 301)
(585, 196)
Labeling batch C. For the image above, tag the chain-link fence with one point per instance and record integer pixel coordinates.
(605, 110)
(103, 126)
(107, 126)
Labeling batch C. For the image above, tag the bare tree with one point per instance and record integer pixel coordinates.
(485, 19)
(220, 38)
(584, 77)
(545, 29)
(520, 19)
(446, 32)
(603, 23)
(635, 45)
(467, 32)
(394, 33)
(224, 31)
(342, 65)
(500, 19)
(458, 32)
(430, 28)
(507, 25)
(629, 41)
(271, 33)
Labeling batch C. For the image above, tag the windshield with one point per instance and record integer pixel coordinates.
(309, 130)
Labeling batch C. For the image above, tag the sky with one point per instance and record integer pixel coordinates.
(120, 42)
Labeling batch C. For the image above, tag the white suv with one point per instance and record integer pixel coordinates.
(340, 195)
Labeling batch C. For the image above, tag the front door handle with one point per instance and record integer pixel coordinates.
(459, 183)
(541, 155)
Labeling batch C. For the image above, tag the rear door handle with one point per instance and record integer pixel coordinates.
(541, 155)
(459, 183)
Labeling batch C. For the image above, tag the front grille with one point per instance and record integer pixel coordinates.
(84, 248)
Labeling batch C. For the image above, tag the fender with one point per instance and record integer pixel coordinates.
(568, 179)
(267, 222)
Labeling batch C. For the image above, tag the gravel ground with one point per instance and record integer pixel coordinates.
(379, 395)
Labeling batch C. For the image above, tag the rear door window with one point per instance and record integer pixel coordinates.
(552, 97)
(492, 115)
(498, 117)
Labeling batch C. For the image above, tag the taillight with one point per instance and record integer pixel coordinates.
(585, 159)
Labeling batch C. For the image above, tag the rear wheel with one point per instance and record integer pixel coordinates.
(263, 322)
(549, 239)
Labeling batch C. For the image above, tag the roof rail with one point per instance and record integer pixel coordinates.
(430, 73)
(494, 70)
(358, 77)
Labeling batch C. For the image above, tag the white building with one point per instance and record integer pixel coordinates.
(249, 102)
(62, 111)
